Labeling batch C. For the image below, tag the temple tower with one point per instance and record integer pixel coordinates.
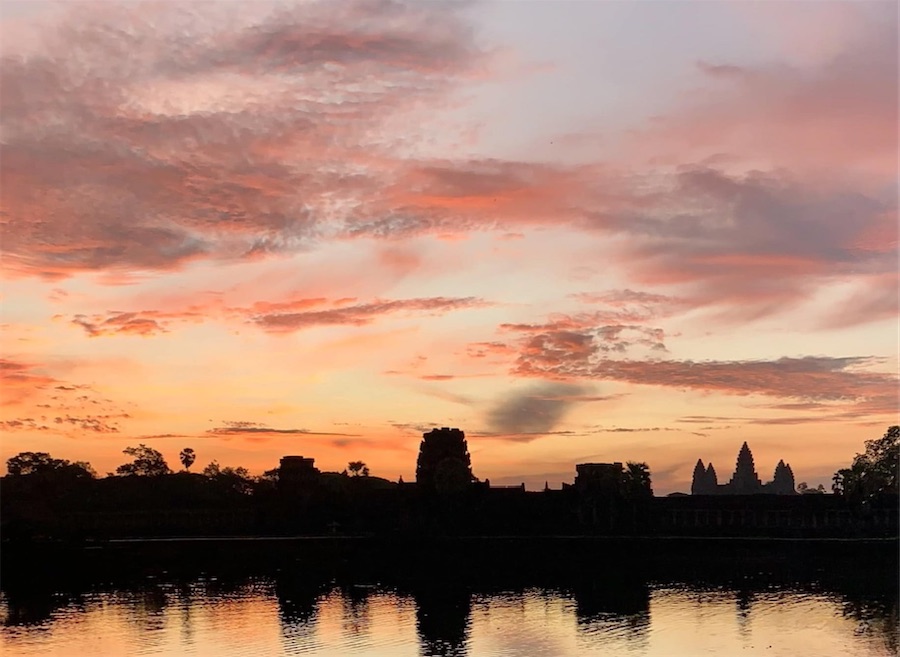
(745, 480)
(783, 481)
(444, 464)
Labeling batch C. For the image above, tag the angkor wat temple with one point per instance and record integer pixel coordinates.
(447, 499)
(744, 481)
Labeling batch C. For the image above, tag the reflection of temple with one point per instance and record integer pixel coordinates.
(615, 604)
(442, 619)
(298, 597)
(619, 595)
(744, 481)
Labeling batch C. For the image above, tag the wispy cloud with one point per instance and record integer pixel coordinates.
(242, 427)
(276, 317)
(360, 314)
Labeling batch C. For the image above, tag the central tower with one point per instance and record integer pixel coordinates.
(444, 464)
(745, 480)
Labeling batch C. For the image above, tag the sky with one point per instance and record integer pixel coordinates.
(579, 231)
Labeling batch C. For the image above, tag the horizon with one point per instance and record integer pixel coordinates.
(531, 483)
(620, 232)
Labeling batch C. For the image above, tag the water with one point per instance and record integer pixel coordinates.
(296, 614)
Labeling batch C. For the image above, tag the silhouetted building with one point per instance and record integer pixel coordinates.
(699, 483)
(444, 464)
(783, 480)
(599, 478)
(296, 470)
(744, 481)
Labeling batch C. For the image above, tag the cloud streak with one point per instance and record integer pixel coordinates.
(276, 317)
(820, 378)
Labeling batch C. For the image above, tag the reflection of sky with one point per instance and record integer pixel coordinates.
(539, 155)
(245, 621)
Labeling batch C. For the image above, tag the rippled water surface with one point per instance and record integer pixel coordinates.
(287, 616)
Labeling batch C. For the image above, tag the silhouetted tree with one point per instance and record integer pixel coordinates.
(187, 458)
(147, 462)
(358, 468)
(637, 480)
(802, 487)
(873, 472)
(85, 467)
(237, 479)
(26, 463)
(271, 475)
(239, 471)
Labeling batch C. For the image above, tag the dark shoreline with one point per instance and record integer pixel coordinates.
(476, 554)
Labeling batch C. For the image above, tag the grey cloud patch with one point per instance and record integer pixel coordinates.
(535, 410)
(413, 427)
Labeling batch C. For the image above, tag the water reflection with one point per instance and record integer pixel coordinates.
(616, 606)
(305, 611)
(442, 620)
(298, 597)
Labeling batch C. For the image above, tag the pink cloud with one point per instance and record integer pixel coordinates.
(571, 355)
(275, 316)
(21, 380)
(99, 175)
(838, 108)
(359, 314)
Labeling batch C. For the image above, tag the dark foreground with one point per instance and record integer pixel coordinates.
(478, 558)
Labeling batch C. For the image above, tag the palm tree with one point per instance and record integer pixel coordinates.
(637, 480)
(187, 457)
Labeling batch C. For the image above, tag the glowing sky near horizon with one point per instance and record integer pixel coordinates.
(586, 231)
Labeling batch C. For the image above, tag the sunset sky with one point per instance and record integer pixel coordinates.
(579, 231)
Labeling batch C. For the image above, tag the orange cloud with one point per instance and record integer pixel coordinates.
(20, 381)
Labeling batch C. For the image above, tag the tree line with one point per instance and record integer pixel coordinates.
(148, 462)
(871, 473)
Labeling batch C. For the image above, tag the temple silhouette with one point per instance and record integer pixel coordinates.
(744, 481)
(445, 500)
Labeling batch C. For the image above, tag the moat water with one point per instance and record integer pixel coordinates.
(285, 614)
